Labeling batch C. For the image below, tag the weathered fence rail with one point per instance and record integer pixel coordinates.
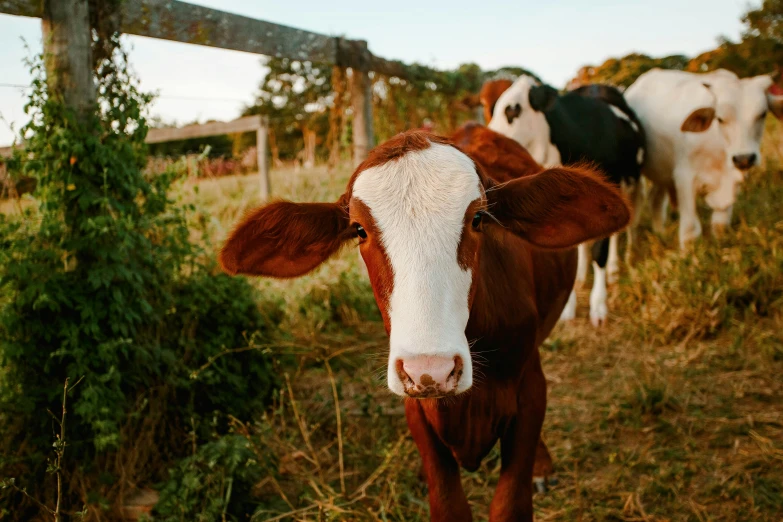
(255, 124)
(182, 22)
(194, 24)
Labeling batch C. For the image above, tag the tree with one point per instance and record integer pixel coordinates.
(760, 51)
(752, 56)
(766, 22)
(295, 95)
(622, 72)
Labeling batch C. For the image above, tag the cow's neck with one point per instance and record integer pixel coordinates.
(503, 313)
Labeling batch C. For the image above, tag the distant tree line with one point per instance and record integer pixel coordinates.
(759, 51)
(309, 108)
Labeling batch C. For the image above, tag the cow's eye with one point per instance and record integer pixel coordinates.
(477, 217)
(361, 232)
(763, 116)
(721, 121)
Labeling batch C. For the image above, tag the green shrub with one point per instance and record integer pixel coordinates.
(103, 282)
(346, 302)
(213, 314)
(211, 485)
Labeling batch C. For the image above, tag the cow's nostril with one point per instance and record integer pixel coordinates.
(402, 374)
(425, 376)
(456, 373)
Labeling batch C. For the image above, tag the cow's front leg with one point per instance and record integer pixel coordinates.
(690, 226)
(543, 468)
(447, 498)
(636, 195)
(598, 307)
(513, 500)
(613, 263)
(721, 220)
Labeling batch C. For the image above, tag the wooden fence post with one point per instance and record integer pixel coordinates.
(67, 53)
(263, 164)
(361, 101)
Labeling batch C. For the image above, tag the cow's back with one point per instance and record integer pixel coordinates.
(663, 100)
(500, 158)
(624, 142)
(582, 129)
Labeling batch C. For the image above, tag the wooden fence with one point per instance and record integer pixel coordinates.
(255, 124)
(67, 36)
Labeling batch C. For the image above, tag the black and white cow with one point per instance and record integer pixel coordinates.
(590, 124)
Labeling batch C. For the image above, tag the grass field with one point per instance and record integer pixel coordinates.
(673, 411)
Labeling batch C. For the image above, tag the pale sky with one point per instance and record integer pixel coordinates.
(552, 38)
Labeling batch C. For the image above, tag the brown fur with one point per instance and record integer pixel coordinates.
(375, 258)
(279, 240)
(699, 120)
(517, 295)
(489, 94)
(500, 158)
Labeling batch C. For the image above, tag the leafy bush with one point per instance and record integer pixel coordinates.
(103, 282)
(212, 484)
(346, 302)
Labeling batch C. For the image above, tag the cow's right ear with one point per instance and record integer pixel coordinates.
(285, 239)
(542, 97)
(559, 207)
(699, 120)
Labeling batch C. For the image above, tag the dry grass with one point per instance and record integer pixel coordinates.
(673, 411)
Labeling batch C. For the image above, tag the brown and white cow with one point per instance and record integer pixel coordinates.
(489, 95)
(469, 245)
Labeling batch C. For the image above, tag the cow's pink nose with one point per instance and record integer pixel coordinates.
(429, 375)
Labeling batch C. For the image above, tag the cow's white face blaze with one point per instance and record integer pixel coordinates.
(415, 211)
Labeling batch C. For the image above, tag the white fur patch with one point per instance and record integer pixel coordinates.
(530, 129)
(620, 114)
(598, 308)
(569, 312)
(613, 262)
(418, 203)
(582, 263)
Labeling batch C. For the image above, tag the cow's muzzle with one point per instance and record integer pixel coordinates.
(430, 376)
(744, 161)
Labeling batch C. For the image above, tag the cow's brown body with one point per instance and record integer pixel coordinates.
(519, 296)
(515, 294)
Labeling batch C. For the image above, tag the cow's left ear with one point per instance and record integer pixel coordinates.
(559, 207)
(542, 97)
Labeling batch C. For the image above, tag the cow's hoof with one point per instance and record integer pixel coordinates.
(540, 484)
(598, 315)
